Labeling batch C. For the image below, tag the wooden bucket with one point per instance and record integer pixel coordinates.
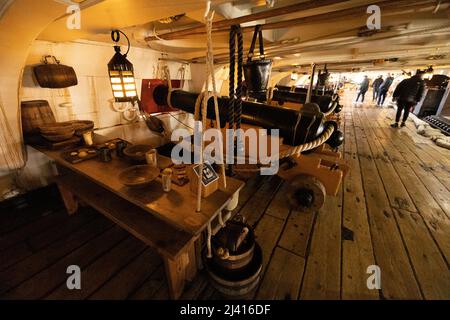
(235, 283)
(35, 113)
(236, 259)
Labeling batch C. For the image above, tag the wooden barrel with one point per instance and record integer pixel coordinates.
(35, 113)
(55, 75)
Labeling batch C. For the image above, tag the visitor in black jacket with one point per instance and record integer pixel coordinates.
(376, 87)
(364, 86)
(408, 93)
(384, 88)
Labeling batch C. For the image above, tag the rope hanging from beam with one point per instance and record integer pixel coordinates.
(235, 102)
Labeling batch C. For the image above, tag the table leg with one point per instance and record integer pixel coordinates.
(181, 269)
(69, 200)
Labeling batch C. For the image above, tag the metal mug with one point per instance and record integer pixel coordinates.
(120, 146)
(166, 176)
(88, 138)
(152, 158)
(105, 154)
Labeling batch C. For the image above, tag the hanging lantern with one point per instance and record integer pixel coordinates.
(121, 73)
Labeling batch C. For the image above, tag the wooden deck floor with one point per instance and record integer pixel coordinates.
(393, 211)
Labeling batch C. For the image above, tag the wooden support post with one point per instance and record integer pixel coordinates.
(68, 198)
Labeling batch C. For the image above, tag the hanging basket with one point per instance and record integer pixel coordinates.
(257, 72)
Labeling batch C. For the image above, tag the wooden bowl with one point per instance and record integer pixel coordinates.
(138, 176)
(58, 137)
(137, 152)
(57, 129)
(82, 125)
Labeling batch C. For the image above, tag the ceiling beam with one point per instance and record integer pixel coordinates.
(393, 6)
(226, 24)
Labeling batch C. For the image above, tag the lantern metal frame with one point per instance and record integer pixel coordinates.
(121, 73)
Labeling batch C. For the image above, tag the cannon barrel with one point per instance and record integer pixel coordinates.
(296, 127)
(305, 90)
(325, 102)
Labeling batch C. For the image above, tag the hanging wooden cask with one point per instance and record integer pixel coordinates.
(35, 113)
(55, 75)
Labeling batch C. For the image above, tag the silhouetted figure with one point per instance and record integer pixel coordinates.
(408, 93)
(384, 88)
(376, 87)
(364, 86)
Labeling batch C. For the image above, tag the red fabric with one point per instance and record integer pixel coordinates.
(148, 104)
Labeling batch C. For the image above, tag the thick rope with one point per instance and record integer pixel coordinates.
(235, 102)
(332, 110)
(210, 67)
(169, 84)
(231, 78)
(202, 103)
(293, 151)
(239, 77)
(307, 146)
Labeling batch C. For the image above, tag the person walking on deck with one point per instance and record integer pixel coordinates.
(364, 86)
(383, 90)
(408, 93)
(376, 87)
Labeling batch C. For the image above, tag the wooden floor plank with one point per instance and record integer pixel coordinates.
(251, 186)
(155, 283)
(16, 213)
(23, 233)
(430, 267)
(437, 222)
(425, 255)
(357, 249)
(283, 277)
(96, 274)
(37, 242)
(396, 192)
(194, 289)
(50, 278)
(25, 269)
(133, 275)
(322, 279)
(278, 206)
(399, 281)
(296, 234)
(255, 207)
(267, 234)
(439, 192)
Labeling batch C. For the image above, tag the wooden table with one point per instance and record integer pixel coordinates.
(168, 222)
